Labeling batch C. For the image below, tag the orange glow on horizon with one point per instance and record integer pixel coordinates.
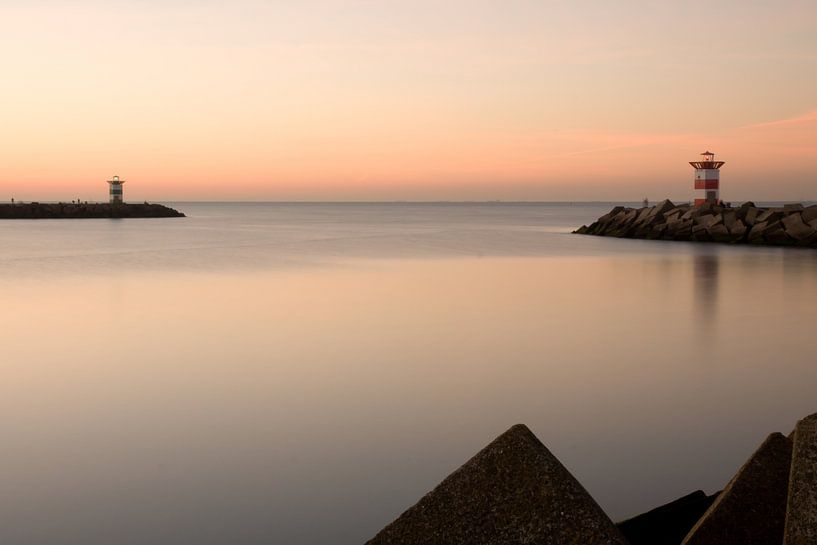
(325, 102)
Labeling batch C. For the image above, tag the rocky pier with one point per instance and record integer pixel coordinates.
(35, 210)
(789, 225)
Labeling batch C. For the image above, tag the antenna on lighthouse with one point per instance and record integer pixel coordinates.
(116, 190)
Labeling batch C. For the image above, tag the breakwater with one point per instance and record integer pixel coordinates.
(34, 210)
(789, 225)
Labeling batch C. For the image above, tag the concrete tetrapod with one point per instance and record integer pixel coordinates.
(751, 510)
(513, 491)
(801, 511)
(667, 524)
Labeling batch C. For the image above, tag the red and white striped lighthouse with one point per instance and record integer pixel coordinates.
(708, 178)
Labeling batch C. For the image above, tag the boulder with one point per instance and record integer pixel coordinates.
(689, 214)
(644, 214)
(700, 233)
(751, 510)
(674, 214)
(761, 229)
(756, 231)
(719, 233)
(642, 231)
(663, 207)
(706, 221)
(610, 215)
(738, 230)
(801, 511)
(809, 213)
(796, 228)
(778, 236)
(729, 219)
(751, 216)
(769, 215)
(683, 230)
(513, 491)
(657, 230)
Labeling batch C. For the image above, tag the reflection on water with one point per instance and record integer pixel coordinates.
(156, 391)
(706, 295)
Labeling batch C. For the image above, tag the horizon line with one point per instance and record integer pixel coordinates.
(436, 201)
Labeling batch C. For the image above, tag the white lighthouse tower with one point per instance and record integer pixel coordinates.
(116, 190)
(708, 178)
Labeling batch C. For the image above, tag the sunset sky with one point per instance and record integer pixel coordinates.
(410, 100)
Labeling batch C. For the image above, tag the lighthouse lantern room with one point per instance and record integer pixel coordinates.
(707, 178)
(116, 190)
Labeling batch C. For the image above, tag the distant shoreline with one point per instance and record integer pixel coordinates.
(36, 210)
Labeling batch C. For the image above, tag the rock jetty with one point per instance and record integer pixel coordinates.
(34, 210)
(515, 491)
(789, 225)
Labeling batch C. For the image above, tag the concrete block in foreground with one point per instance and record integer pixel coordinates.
(801, 512)
(513, 491)
(668, 524)
(751, 510)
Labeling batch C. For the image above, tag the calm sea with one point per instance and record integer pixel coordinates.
(302, 373)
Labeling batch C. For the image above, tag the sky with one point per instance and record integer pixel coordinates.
(422, 100)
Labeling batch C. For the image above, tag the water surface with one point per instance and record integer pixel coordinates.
(302, 373)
